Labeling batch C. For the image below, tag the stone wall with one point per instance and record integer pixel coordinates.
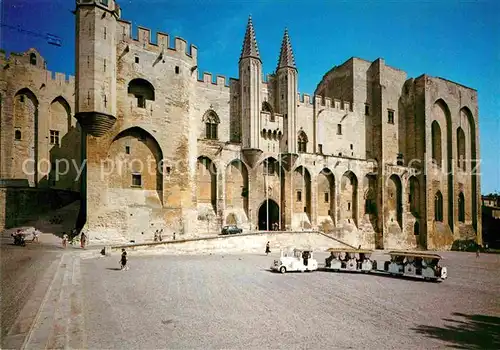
(39, 132)
(249, 243)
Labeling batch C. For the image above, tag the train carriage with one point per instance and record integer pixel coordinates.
(416, 264)
(342, 259)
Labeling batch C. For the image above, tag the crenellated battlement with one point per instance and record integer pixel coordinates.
(60, 78)
(220, 80)
(305, 100)
(16, 59)
(163, 40)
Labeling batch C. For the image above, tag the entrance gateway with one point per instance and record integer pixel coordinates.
(269, 209)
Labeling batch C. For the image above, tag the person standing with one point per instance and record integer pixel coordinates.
(83, 240)
(64, 240)
(268, 249)
(123, 260)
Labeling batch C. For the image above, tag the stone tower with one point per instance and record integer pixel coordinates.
(95, 86)
(286, 96)
(96, 65)
(250, 68)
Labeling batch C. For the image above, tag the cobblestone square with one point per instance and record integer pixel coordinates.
(234, 302)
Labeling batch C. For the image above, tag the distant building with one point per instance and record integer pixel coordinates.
(491, 220)
(353, 159)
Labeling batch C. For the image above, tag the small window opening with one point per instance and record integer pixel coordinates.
(136, 59)
(177, 69)
(54, 137)
(348, 206)
(21, 98)
(299, 196)
(339, 129)
(367, 109)
(352, 146)
(390, 117)
(327, 197)
(127, 149)
(33, 59)
(18, 134)
(320, 148)
(136, 180)
(168, 170)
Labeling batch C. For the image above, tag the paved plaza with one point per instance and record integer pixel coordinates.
(234, 302)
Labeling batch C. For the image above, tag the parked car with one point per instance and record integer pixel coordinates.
(231, 230)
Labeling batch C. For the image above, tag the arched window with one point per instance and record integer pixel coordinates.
(142, 91)
(436, 143)
(461, 207)
(302, 140)
(17, 134)
(33, 59)
(438, 206)
(266, 107)
(211, 121)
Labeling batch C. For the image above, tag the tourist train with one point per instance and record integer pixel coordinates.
(401, 264)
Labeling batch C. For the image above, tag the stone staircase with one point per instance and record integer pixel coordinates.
(59, 321)
(235, 244)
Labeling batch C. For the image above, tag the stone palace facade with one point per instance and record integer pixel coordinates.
(373, 157)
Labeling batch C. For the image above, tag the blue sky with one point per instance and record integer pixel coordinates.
(459, 41)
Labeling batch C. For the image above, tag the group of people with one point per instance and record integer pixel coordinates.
(158, 237)
(74, 233)
(19, 236)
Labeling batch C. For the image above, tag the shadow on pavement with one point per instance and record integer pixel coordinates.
(113, 268)
(466, 331)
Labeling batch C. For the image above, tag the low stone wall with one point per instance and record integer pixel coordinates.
(244, 243)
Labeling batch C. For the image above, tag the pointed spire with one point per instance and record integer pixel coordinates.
(250, 48)
(286, 55)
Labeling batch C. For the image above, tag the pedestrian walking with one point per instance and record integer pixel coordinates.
(268, 249)
(64, 240)
(35, 235)
(83, 240)
(123, 260)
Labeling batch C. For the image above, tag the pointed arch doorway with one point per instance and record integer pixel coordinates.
(268, 215)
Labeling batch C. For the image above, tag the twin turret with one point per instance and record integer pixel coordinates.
(285, 99)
